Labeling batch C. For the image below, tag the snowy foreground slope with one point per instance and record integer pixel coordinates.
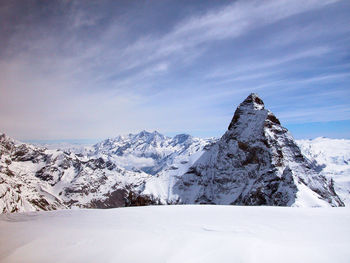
(178, 234)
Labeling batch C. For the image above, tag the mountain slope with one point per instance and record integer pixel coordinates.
(256, 162)
(333, 159)
(34, 178)
(20, 190)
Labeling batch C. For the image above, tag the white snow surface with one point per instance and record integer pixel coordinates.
(190, 233)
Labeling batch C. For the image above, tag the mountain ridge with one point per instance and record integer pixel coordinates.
(259, 164)
(256, 162)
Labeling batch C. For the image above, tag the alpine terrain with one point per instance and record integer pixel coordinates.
(256, 162)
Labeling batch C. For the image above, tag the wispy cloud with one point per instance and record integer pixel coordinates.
(78, 69)
(330, 113)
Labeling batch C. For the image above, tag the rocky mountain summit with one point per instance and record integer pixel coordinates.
(256, 162)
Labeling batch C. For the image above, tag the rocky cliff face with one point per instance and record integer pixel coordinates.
(256, 162)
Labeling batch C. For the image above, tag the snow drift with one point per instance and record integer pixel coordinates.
(178, 234)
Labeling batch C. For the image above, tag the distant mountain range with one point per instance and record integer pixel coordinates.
(256, 162)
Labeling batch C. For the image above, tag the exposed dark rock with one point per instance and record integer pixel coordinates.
(117, 198)
(135, 199)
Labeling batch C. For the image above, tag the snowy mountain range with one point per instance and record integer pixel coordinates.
(149, 152)
(256, 162)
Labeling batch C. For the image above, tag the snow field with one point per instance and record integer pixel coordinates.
(178, 234)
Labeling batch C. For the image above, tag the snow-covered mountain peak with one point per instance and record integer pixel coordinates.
(6, 141)
(256, 162)
(149, 137)
(253, 101)
(251, 106)
(251, 121)
(150, 152)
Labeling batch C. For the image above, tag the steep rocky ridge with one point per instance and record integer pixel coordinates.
(256, 162)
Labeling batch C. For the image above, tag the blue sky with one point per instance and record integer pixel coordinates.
(96, 69)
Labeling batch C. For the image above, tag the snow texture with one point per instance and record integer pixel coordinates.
(188, 233)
